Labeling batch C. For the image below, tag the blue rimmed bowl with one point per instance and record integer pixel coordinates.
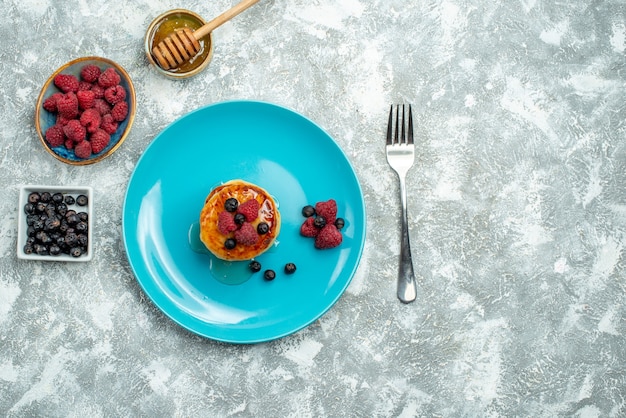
(45, 119)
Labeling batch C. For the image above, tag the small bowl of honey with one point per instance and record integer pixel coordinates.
(166, 24)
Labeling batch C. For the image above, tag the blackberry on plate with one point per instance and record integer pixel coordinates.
(231, 204)
(255, 266)
(290, 268)
(230, 243)
(308, 211)
(319, 222)
(263, 228)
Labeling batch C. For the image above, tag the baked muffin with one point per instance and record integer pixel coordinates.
(239, 221)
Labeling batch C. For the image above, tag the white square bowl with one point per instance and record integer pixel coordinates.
(22, 229)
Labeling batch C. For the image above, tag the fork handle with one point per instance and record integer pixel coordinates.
(407, 287)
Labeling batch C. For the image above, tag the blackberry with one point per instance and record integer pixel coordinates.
(255, 266)
(70, 239)
(230, 243)
(231, 204)
(61, 209)
(72, 219)
(41, 249)
(38, 225)
(69, 200)
(55, 249)
(319, 222)
(240, 218)
(40, 207)
(52, 224)
(43, 237)
(269, 275)
(308, 211)
(57, 197)
(81, 239)
(81, 200)
(34, 197)
(339, 223)
(262, 228)
(290, 268)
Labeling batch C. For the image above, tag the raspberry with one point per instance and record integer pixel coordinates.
(119, 111)
(99, 141)
(115, 94)
(308, 228)
(55, 136)
(246, 235)
(328, 210)
(249, 209)
(90, 73)
(69, 144)
(83, 149)
(84, 86)
(108, 125)
(109, 78)
(67, 105)
(75, 131)
(328, 237)
(91, 120)
(86, 99)
(102, 106)
(98, 91)
(66, 83)
(50, 104)
(226, 223)
(62, 120)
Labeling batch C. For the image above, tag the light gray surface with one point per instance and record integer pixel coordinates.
(517, 215)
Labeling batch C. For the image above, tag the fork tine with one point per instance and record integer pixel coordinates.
(396, 139)
(403, 137)
(410, 137)
(390, 127)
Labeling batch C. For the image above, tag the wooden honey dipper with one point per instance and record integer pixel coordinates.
(183, 45)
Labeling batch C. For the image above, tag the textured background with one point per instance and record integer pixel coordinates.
(517, 214)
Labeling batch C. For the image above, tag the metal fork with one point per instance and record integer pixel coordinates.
(400, 156)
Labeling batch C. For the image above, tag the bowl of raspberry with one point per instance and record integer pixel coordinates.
(85, 110)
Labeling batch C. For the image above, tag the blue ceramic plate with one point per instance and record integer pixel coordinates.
(277, 149)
